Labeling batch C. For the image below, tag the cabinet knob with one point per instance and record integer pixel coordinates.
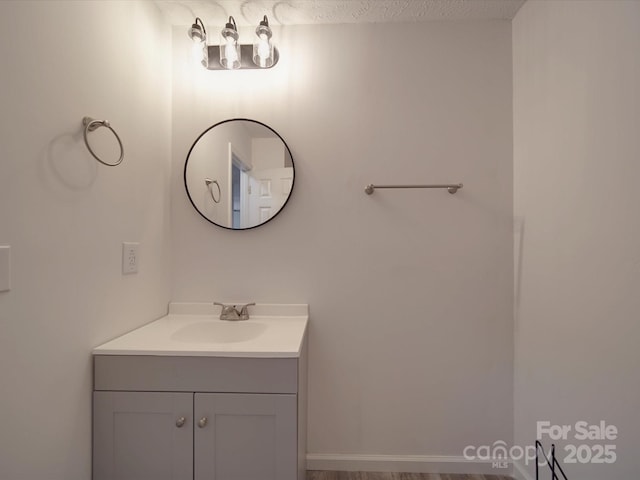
(202, 422)
(180, 422)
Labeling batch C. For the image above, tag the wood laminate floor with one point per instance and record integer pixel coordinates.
(318, 475)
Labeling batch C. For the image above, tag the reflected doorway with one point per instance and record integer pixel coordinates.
(240, 191)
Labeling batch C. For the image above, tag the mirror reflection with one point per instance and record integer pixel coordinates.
(239, 174)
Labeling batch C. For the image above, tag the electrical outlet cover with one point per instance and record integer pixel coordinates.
(130, 258)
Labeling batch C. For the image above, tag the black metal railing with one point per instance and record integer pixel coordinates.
(552, 463)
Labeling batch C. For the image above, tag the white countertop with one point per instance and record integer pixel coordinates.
(194, 329)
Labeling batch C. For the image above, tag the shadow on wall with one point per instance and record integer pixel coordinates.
(68, 161)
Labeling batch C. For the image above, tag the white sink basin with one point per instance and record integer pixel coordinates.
(219, 332)
(193, 329)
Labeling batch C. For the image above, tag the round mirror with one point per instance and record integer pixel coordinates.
(239, 174)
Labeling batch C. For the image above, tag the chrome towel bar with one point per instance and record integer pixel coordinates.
(90, 125)
(209, 182)
(451, 187)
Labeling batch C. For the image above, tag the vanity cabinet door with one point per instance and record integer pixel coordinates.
(245, 437)
(142, 436)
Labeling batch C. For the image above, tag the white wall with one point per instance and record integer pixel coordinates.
(410, 291)
(576, 117)
(65, 216)
(267, 153)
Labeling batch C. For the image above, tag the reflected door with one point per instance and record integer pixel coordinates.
(239, 192)
(268, 192)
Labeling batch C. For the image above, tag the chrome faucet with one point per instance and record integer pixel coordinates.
(231, 312)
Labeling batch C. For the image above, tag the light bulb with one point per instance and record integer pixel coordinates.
(264, 50)
(198, 53)
(230, 52)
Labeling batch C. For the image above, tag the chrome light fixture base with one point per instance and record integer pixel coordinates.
(246, 58)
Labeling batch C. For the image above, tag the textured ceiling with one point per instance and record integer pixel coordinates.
(304, 12)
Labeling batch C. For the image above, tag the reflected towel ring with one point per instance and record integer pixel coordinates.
(209, 182)
(90, 125)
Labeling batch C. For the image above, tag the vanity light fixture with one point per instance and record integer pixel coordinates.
(198, 34)
(233, 55)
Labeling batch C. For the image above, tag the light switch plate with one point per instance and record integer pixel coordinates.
(5, 268)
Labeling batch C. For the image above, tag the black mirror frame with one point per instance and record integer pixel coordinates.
(186, 163)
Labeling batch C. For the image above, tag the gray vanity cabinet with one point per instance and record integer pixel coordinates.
(136, 436)
(199, 418)
(249, 437)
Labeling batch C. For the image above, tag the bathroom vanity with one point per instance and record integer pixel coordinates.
(190, 396)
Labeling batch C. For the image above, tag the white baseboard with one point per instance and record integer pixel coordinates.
(519, 472)
(403, 463)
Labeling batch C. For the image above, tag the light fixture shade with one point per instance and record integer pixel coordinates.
(263, 47)
(199, 54)
(229, 47)
(204, 56)
(198, 34)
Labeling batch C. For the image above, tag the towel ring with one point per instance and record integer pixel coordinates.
(209, 182)
(90, 125)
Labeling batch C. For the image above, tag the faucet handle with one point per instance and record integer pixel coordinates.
(228, 312)
(244, 313)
